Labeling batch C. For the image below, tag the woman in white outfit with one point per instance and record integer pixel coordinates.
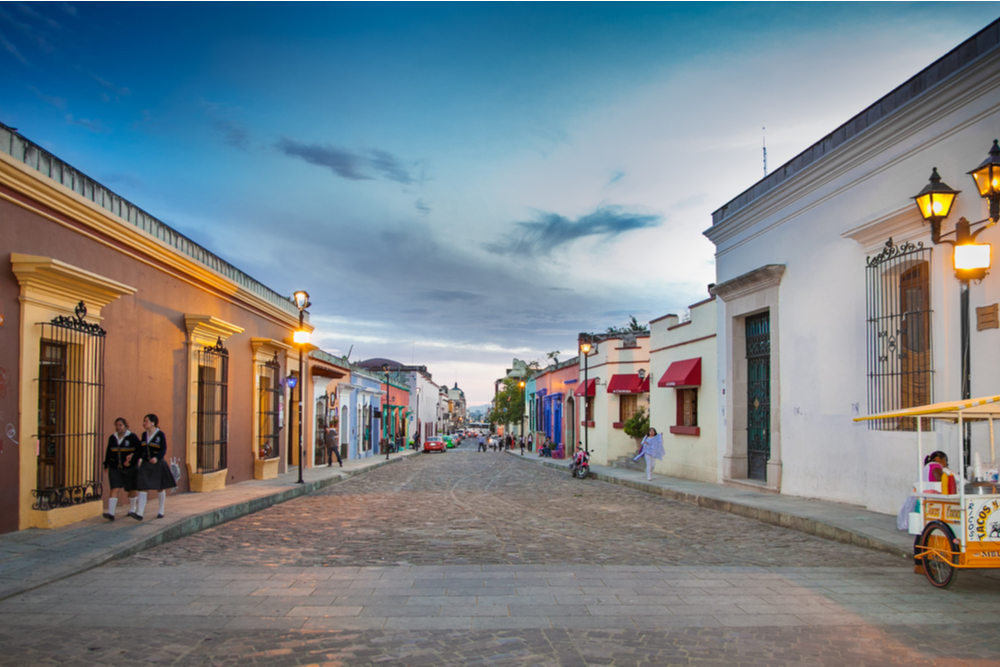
(652, 449)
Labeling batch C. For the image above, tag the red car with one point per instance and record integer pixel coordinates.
(434, 444)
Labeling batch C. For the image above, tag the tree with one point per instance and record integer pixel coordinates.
(508, 406)
(633, 326)
(637, 425)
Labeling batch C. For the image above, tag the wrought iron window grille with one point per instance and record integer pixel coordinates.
(898, 320)
(70, 412)
(269, 407)
(213, 408)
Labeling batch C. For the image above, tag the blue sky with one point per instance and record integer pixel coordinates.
(455, 184)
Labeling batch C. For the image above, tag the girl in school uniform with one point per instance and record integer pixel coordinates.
(119, 460)
(153, 471)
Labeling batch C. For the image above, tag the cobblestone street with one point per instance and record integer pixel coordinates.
(471, 558)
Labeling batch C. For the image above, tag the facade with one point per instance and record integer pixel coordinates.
(836, 300)
(360, 402)
(108, 312)
(554, 408)
(683, 398)
(614, 384)
(456, 415)
(328, 372)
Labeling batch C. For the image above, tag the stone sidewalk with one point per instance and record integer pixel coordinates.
(833, 521)
(35, 557)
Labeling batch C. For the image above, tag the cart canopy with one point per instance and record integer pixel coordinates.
(972, 409)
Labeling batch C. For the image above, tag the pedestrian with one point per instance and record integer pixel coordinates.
(332, 448)
(416, 442)
(153, 472)
(652, 448)
(119, 461)
(482, 443)
(522, 445)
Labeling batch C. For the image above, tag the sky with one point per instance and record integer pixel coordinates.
(455, 185)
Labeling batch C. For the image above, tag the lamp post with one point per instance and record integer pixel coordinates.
(385, 412)
(521, 424)
(420, 435)
(971, 260)
(301, 338)
(585, 347)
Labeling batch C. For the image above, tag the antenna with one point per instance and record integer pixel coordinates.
(764, 144)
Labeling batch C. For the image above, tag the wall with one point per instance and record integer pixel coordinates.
(690, 456)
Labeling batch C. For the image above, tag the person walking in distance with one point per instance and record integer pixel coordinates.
(153, 471)
(332, 448)
(119, 461)
(482, 443)
(652, 450)
(522, 445)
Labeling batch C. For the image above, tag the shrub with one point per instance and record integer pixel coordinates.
(638, 424)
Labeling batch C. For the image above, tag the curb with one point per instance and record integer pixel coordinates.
(199, 522)
(782, 519)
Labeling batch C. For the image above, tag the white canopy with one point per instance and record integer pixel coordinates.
(972, 409)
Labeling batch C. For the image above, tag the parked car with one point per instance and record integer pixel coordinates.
(434, 444)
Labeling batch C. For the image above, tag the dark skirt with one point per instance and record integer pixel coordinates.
(155, 476)
(121, 478)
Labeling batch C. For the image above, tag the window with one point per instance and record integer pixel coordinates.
(900, 368)
(687, 407)
(213, 408)
(589, 409)
(268, 408)
(686, 422)
(70, 412)
(628, 405)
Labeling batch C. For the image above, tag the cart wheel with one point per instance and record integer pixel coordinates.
(939, 570)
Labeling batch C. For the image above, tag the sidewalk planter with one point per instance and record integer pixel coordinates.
(209, 481)
(266, 468)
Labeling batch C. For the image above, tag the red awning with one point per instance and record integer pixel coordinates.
(644, 387)
(590, 386)
(686, 373)
(626, 384)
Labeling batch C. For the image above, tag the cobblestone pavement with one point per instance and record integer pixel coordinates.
(465, 507)
(478, 559)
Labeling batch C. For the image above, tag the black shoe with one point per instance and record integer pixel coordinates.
(109, 517)
(137, 517)
(159, 516)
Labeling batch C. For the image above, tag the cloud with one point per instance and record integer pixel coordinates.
(68, 8)
(350, 165)
(551, 230)
(94, 126)
(450, 296)
(28, 11)
(57, 102)
(422, 206)
(118, 92)
(28, 32)
(616, 176)
(233, 134)
(11, 49)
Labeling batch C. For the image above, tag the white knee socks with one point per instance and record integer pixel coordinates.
(112, 503)
(162, 496)
(132, 502)
(142, 503)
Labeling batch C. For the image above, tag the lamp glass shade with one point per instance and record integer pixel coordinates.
(301, 299)
(973, 256)
(585, 348)
(301, 337)
(987, 179)
(935, 205)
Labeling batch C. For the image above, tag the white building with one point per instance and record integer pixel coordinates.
(835, 302)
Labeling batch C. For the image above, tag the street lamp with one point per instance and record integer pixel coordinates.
(301, 338)
(971, 260)
(521, 385)
(585, 347)
(385, 412)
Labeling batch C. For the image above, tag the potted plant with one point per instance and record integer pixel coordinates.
(637, 425)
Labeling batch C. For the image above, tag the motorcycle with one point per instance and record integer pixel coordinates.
(580, 466)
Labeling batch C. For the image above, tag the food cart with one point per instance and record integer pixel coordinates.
(959, 530)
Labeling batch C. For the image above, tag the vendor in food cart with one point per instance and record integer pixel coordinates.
(934, 465)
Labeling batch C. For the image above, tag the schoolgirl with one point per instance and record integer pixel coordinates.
(652, 450)
(119, 460)
(153, 471)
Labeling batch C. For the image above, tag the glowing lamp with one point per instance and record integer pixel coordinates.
(972, 260)
(935, 201)
(301, 337)
(301, 299)
(987, 178)
(585, 348)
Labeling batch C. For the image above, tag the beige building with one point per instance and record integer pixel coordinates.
(683, 398)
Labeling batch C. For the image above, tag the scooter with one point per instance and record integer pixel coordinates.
(580, 467)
